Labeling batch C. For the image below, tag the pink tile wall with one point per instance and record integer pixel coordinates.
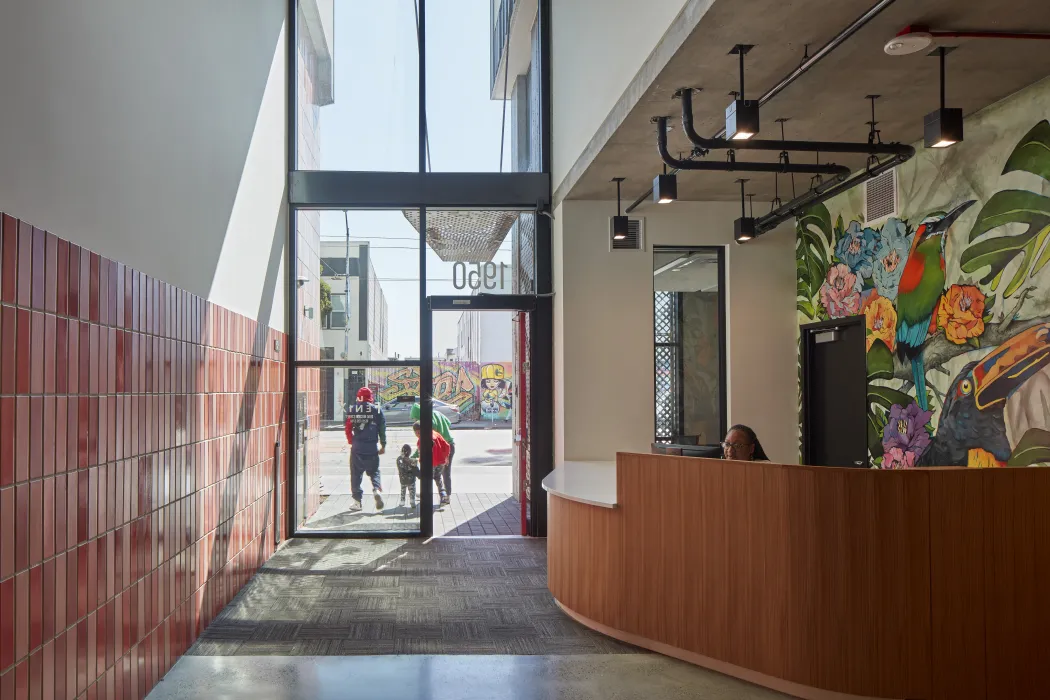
(138, 425)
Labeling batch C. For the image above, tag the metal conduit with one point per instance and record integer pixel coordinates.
(841, 172)
(717, 144)
(794, 75)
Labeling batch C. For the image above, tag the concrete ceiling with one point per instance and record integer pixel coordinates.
(827, 102)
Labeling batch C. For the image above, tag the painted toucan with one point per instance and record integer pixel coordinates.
(919, 293)
(971, 426)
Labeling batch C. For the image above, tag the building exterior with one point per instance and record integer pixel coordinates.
(357, 327)
(486, 336)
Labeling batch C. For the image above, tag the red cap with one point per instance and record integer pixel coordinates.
(364, 394)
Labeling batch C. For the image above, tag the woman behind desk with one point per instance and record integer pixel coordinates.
(742, 445)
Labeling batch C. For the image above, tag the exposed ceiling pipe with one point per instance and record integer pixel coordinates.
(794, 75)
(917, 37)
(839, 171)
(821, 193)
(717, 144)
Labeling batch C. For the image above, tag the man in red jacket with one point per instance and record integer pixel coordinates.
(440, 453)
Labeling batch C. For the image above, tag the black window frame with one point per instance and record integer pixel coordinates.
(339, 190)
(676, 345)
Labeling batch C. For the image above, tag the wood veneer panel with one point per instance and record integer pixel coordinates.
(655, 548)
(957, 584)
(798, 573)
(1017, 582)
(585, 559)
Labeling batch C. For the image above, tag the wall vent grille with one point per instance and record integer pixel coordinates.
(880, 197)
(635, 236)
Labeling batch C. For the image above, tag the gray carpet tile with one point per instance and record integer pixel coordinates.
(360, 597)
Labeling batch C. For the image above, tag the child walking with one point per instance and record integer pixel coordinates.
(408, 472)
(440, 455)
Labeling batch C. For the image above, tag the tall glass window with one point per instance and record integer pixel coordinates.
(377, 234)
(357, 75)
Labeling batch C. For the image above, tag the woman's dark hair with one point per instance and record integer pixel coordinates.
(753, 439)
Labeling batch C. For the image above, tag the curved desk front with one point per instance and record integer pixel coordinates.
(818, 582)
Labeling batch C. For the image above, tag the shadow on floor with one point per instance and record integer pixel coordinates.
(467, 514)
(363, 597)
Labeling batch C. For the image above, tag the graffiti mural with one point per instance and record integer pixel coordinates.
(454, 385)
(956, 304)
(496, 399)
(479, 392)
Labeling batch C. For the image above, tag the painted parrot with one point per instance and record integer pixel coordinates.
(971, 430)
(919, 293)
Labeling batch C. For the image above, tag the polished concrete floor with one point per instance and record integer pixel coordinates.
(577, 677)
(445, 619)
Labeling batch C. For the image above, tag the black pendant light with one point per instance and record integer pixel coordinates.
(741, 114)
(943, 127)
(744, 227)
(665, 187)
(620, 225)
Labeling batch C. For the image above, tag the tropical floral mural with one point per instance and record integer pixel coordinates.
(957, 317)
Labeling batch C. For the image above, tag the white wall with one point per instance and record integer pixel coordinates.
(603, 328)
(154, 134)
(597, 47)
(497, 327)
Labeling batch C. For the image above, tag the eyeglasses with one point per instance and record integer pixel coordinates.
(734, 445)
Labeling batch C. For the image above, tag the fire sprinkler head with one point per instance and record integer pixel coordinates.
(908, 41)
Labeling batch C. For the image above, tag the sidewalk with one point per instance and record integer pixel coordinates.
(482, 425)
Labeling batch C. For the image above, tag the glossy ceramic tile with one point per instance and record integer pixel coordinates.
(133, 502)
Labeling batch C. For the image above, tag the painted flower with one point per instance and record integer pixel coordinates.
(890, 256)
(840, 293)
(906, 430)
(857, 247)
(961, 313)
(896, 458)
(881, 320)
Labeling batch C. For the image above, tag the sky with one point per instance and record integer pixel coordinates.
(373, 125)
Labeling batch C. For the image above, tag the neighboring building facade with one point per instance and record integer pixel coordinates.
(486, 336)
(357, 327)
(315, 46)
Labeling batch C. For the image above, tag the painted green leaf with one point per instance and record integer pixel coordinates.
(1029, 252)
(807, 308)
(1011, 207)
(874, 438)
(1034, 448)
(820, 217)
(879, 361)
(1044, 258)
(974, 343)
(1032, 153)
(887, 397)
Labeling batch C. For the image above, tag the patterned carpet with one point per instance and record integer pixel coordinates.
(446, 596)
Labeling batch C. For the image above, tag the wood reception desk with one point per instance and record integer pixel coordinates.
(819, 582)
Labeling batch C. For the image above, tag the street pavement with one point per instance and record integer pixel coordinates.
(482, 474)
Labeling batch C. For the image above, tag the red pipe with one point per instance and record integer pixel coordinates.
(990, 35)
(922, 28)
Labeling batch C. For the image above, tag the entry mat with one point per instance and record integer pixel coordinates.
(365, 597)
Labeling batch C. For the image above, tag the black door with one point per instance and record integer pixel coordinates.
(834, 394)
